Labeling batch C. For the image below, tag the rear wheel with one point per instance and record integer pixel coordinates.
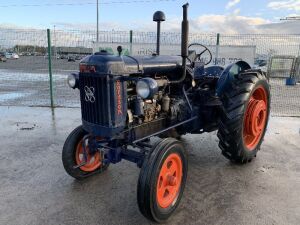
(245, 116)
(73, 155)
(162, 180)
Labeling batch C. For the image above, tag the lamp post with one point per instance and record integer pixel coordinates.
(54, 40)
(97, 21)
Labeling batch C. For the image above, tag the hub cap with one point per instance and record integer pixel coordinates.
(255, 118)
(93, 160)
(169, 181)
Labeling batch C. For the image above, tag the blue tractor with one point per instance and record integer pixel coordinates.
(126, 100)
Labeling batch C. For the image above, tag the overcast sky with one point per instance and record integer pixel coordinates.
(224, 16)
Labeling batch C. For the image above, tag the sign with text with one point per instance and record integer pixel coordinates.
(222, 55)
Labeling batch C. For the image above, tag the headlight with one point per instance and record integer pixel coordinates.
(72, 81)
(146, 88)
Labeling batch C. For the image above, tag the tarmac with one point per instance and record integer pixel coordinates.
(35, 189)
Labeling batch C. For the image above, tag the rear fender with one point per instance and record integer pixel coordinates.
(228, 75)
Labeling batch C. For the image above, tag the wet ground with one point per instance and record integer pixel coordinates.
(34, 188)
(38, 64)
(25, 82)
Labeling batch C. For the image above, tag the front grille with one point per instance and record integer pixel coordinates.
(94, 96)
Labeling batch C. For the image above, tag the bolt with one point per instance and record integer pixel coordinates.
(172, 180)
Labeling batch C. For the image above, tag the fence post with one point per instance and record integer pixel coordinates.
(217, 47)
(50, 67)
(130, 41)
(218, 38)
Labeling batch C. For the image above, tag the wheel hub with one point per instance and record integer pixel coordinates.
(172, 180)
(169, 181)
(90, 161)
(255, 118)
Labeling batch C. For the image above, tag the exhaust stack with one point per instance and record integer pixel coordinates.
(184, 42)
(185, 33)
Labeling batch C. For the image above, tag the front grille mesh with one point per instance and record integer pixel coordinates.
(96, 112)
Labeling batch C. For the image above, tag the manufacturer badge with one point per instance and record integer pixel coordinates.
(89, 94)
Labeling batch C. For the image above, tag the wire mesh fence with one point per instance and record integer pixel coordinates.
(24, 77)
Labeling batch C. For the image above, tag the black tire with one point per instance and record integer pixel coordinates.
(148, 180)
(235, 102)
(68, 155)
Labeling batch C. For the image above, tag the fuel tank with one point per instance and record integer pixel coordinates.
(125, 65)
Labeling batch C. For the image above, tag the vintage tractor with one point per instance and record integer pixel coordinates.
(126, 100)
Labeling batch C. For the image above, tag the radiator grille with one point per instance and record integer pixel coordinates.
(94, 96)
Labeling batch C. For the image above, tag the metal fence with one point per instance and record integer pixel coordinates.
(26, 81)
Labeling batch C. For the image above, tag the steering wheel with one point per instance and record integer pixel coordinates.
(201, 53)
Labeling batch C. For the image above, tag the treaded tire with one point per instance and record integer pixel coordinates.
(148, 180)
(69, 158)
(235, 102)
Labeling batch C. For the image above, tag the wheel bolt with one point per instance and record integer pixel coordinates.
(172, 180)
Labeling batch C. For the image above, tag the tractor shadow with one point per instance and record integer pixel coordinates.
(110, 198)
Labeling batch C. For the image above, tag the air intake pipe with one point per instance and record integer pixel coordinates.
(184, 43)
(158, 17)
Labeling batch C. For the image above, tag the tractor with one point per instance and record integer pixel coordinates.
(126, 100)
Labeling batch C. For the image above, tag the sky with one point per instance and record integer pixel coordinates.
(223, 16)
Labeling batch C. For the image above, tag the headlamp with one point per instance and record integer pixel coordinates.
(146, 88)
(72, 81)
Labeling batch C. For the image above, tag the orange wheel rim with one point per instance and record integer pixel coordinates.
(169, 181)
(93, 161)
(255, 118)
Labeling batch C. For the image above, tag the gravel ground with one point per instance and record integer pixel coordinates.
(36, 190)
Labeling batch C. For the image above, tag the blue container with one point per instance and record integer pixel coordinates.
(290, 81)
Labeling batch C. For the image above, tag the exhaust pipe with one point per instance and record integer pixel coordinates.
(184, 42)
(184, 33)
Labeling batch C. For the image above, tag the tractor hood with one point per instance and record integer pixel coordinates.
(124, 65)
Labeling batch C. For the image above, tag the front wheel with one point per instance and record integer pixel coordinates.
(246, 109)
(162, 180)
(73, 156)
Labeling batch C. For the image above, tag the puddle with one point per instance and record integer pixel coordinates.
(12, 96)
(10, 75)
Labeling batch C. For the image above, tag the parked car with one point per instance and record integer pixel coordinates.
(261, 64)
(10, 55)
(2, 57)
(71, 58)
(63, 56)
(78, 57)
(15, 56)
(38, 54)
